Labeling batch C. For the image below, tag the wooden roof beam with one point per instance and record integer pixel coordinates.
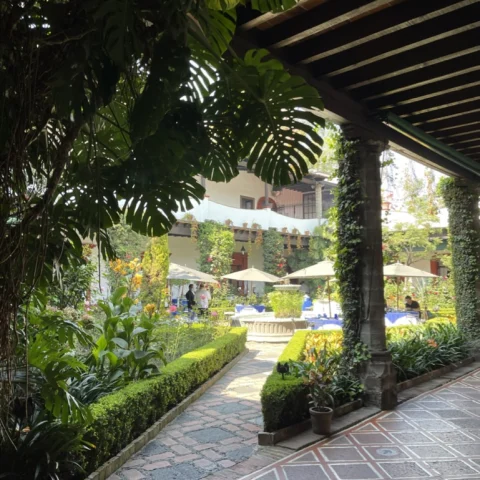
(432, 90)
(460, 132)
(439, 102)
(472, 137)
(435, 127)
(394, 44)
(444, 113)
(429, 75)
(377, 25)
(325, 17)
(411, 61)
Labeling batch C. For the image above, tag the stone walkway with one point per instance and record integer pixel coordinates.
(216, 437)
(435, 436)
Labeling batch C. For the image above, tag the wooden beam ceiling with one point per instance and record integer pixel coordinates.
(417, 59)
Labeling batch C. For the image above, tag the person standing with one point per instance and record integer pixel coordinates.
(190, 296)
(202, 298)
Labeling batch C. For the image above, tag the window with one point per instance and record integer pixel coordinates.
(309, 206)
(247, 203)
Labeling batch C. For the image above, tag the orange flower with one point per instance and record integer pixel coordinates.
(432, 343)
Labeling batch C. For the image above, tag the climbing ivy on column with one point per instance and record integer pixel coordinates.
(216, 245)
(347, 218)
(462, 203)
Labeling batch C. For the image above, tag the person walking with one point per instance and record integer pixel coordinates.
(202, 298)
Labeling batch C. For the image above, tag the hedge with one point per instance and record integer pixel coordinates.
(122, 416)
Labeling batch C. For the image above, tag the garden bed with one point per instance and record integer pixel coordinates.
(419, 352)
(122, 416)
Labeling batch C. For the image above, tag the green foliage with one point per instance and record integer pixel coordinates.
(129, 104)
(70, 289)
(462, 203)
(216, 245)
(424, 348)
(347, 243)
(125, 347)
(273, 253)
(120, 417)
(286, 304)
(42, 452)
(409, 242)
(155, 264)
(126, 243)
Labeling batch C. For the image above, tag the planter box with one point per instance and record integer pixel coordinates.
(413, 382)
(272, 438)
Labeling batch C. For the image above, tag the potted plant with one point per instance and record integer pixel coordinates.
(317, 374)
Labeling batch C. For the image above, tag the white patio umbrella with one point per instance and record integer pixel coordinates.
(180, 272)
(398, 270)
(252, 275)
(322, 269)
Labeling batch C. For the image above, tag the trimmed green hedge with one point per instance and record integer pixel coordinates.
(285, 402)
(122, 416)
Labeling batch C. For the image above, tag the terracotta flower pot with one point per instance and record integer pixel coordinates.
(321, 420)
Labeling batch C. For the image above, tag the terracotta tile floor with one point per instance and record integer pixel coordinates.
(434, 436)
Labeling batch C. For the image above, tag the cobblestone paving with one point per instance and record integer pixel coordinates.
(435, 436)
(216, 434)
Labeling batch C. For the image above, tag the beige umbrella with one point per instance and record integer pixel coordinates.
(398, 270)
(322, 269)
(252, 275)
(180, 272)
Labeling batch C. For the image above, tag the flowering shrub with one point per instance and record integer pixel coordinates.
(286, 304)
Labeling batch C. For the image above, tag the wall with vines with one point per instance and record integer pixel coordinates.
(274, 261)
(216, 245)
(462, 203)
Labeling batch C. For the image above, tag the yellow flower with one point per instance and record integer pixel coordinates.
(149, 309)
(136, 280)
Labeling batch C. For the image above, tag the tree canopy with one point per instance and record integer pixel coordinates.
(110, 108)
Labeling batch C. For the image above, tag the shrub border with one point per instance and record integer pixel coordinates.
(213, 355)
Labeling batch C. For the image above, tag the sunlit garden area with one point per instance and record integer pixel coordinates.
(137, 308)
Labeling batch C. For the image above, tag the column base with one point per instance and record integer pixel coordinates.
(380, 380)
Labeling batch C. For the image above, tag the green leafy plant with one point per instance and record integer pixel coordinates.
(125, 345)
(216, 245)
(286, 304)
(155, 264)
(274, 261)
(462, 203)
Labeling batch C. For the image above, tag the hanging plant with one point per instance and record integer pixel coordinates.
(284, 230)
(259, 238)
(194, 231)
(289, 245)
(249, 243)
(216, 245)
(299, 241)
(273, 253)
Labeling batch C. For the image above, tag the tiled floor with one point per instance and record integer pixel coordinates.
(434, 436)
(217, 433)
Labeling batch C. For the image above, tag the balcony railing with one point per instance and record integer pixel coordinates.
(264, 219)
(300, 210)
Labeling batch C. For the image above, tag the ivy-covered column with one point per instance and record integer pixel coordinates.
(461, 199)
(360, 262)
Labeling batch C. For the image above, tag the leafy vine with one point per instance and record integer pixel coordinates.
(347, 218)
(462, 203)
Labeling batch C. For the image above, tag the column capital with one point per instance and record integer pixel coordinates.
(354, 132)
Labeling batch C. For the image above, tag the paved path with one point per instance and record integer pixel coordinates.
(216, 437)
(434, 436)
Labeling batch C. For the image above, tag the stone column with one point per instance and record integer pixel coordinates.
(319, 200)
(362, 154)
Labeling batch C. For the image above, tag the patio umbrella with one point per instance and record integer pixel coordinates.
(180, 272)
(252, 275)
(319, 270)
(398, 270)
